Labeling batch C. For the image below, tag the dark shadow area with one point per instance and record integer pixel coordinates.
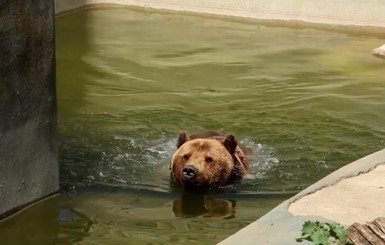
(74, 226)
(72, 45)
(28, 121)
(35, 225)
(28, 149)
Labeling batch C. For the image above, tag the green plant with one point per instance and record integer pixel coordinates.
(322, 233)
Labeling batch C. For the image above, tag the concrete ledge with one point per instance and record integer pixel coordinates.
(342, 12)
(359, 199)
(283, 224)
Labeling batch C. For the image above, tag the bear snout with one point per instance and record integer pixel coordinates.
(189, 172)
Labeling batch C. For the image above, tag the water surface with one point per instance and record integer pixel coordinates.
(307, 102)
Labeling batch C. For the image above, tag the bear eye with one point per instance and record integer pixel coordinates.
(209, 159)
(186, 157)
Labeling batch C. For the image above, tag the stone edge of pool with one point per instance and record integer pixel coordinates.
(283, 224)
(361, 14)
(343, 12)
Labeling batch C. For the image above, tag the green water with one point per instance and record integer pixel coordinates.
(307, 102)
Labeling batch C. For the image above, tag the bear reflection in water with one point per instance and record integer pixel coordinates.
(199, 205)
(208, 159)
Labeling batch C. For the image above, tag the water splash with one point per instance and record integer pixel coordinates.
(143, 162)
(263, 159)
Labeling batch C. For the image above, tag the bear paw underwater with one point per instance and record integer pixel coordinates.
(208, 159)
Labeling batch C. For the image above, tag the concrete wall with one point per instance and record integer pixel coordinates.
(341, 12)
(28, 154)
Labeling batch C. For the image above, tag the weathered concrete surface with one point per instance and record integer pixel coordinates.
(68, 5)
(347, 195)
(342, 12)
(380, 51)
(359, 199)
(28, 154)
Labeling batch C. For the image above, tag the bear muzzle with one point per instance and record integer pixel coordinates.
(189, 173)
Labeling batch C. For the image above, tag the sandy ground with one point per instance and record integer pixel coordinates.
(355, 199)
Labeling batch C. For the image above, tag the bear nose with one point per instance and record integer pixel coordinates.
(189, 172)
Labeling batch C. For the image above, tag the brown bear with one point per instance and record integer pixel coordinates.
(208, 159)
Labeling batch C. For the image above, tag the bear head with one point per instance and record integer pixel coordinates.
(203, 162)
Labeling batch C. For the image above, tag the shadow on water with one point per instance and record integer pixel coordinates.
(110, 215)
(70, 66)
(35, 225)
(115, 215)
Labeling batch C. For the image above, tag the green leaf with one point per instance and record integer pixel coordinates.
(339, 232)
(323, 233)
(326, 226)
(321, 237)
(309, 228)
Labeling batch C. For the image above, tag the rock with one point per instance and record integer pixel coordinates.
(379, 52)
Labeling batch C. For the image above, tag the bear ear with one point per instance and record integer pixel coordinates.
(183, 137)
(230, 143)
